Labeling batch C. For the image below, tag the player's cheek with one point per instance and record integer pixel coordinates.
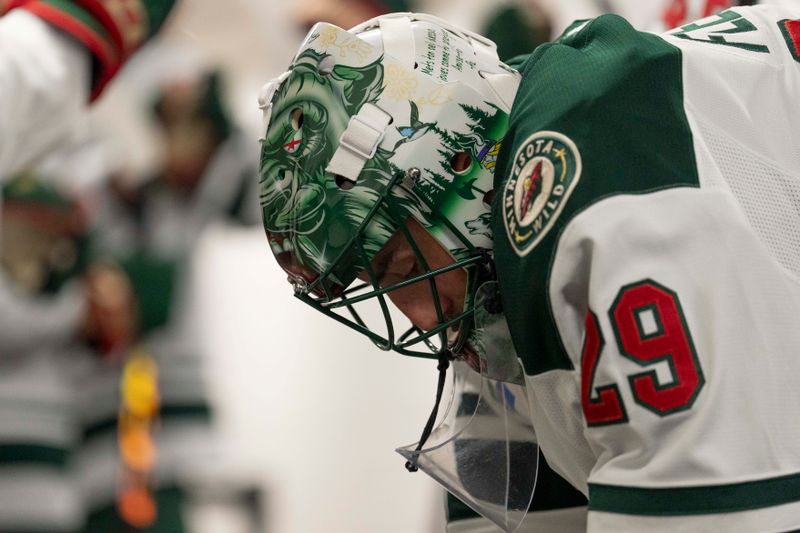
(416, 303)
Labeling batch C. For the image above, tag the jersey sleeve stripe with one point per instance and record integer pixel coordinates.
(27, 453)
(709, 499)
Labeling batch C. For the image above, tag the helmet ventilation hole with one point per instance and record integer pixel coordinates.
(296, 118)
(461, 162)
(344, 183)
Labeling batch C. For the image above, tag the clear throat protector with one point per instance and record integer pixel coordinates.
(484, 450)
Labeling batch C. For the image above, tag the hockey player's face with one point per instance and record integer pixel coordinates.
(397, 262)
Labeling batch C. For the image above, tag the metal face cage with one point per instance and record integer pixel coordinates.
(342, 303)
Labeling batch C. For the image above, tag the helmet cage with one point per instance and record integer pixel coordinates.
(324, 296)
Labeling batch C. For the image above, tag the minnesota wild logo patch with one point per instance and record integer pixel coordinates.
(545, 170)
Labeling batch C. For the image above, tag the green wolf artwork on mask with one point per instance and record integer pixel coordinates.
(311, 217)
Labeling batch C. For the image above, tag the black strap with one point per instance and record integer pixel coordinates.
(444, 363)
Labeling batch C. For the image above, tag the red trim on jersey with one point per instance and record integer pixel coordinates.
(101, 14)
(715, 6)
(124, 23)
(94, 42)
(8, 5)
(793, 31)
(675, 14)
(108, 58)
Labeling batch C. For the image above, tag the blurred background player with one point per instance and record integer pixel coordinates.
(516, 26)
(42, 121)
(150, 229)
(43, 315)
(48, 314)
(44, 44)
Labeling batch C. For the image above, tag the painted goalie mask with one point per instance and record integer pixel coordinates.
(400, 117)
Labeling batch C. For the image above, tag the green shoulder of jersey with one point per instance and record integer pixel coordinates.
(599, 113)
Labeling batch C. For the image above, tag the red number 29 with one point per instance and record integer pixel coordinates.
(650, 328)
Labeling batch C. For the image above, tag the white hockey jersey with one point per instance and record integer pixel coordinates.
(44, 83)
(38, 421)
(647, 241)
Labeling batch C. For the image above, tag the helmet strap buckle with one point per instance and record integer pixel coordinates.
(359, 141)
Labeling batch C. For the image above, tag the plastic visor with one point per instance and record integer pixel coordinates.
(485, 450)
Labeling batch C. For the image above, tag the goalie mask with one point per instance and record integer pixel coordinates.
(399, 117)
(396, 122)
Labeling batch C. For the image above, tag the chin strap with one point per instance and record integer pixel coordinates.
(485, 270)
(444, 364)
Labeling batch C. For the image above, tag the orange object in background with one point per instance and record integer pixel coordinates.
(139, 406)
(137, 507)
(137, 450)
